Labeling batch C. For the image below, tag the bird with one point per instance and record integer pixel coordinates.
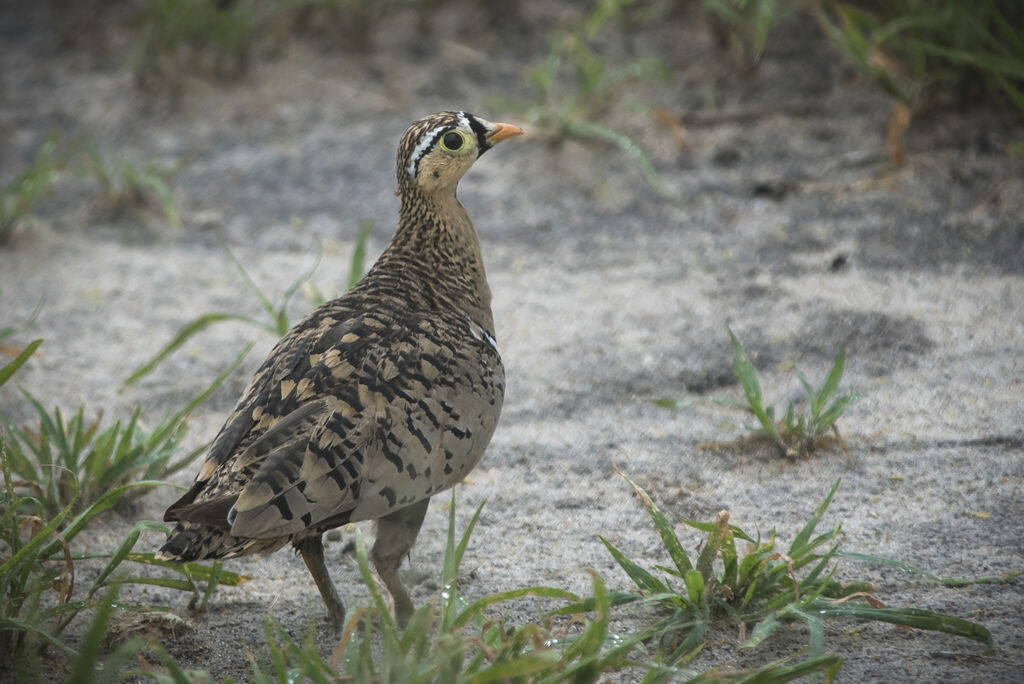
(375, 401)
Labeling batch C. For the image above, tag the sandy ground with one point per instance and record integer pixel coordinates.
(787, 223)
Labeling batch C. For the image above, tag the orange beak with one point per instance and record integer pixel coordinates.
(502, 132)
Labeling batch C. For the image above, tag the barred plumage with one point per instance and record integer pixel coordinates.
(375, 401)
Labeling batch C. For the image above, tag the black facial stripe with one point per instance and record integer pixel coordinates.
(481, 133)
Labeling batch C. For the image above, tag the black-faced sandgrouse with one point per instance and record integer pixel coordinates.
(375, 401)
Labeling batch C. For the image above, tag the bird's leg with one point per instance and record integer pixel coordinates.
(312, 550)
(396, 533)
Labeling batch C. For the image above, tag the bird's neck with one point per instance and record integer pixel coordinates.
(436, 245)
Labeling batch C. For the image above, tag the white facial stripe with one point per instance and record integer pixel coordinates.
(425, 143)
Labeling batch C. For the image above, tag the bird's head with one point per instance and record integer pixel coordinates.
(436, 150)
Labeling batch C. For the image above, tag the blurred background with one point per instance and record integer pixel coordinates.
(638, 80)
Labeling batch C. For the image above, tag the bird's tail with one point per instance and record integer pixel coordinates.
(195, 542)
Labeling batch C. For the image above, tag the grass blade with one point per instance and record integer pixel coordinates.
(815, 629)
(586, 129)
(22, 327)
(762, 630)
(779, 673)
(1004, 66)
(1011, 91)
(710, 527)
(389, 630)
(86, 667)
(280, 315)
(108, 499)
(909, 617)
(831, 384)
(664, 527)
(809, 389)
(451, 602)
(169, 426)
(37, 540)
(948, 581)
(616, 598)
(647, 582)
(197, 571)
(211, 584)
(181, 337)
(357, 266)
(797, 548)
(476, 608)
(11, 368)
(16, 625)
(164, 194)
(268, 306)
(460, 550)
(747, 374)
(832, 413)
(122, 551)
(712, 547)
(695, 587)
(587, 646)
(537, 662)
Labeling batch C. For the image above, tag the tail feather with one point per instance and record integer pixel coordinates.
(191, 542)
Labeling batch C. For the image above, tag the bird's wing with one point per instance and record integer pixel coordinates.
(213, 508)
(261, 406)
(266, 399)
(390, 397)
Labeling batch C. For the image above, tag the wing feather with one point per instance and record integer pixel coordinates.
(345, 422)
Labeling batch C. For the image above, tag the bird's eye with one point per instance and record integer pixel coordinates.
(453, 141)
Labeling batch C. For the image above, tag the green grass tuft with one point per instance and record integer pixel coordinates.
(38, 597)
(18, 196)
(73, 459)
(760, 588)
(749, 22)
(192, 36)
(124, 185)
(913, 49)
(797, 432)
(575, 86)
(451, 639)
(456, 642)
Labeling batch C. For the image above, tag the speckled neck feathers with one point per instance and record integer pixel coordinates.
(435, 258)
